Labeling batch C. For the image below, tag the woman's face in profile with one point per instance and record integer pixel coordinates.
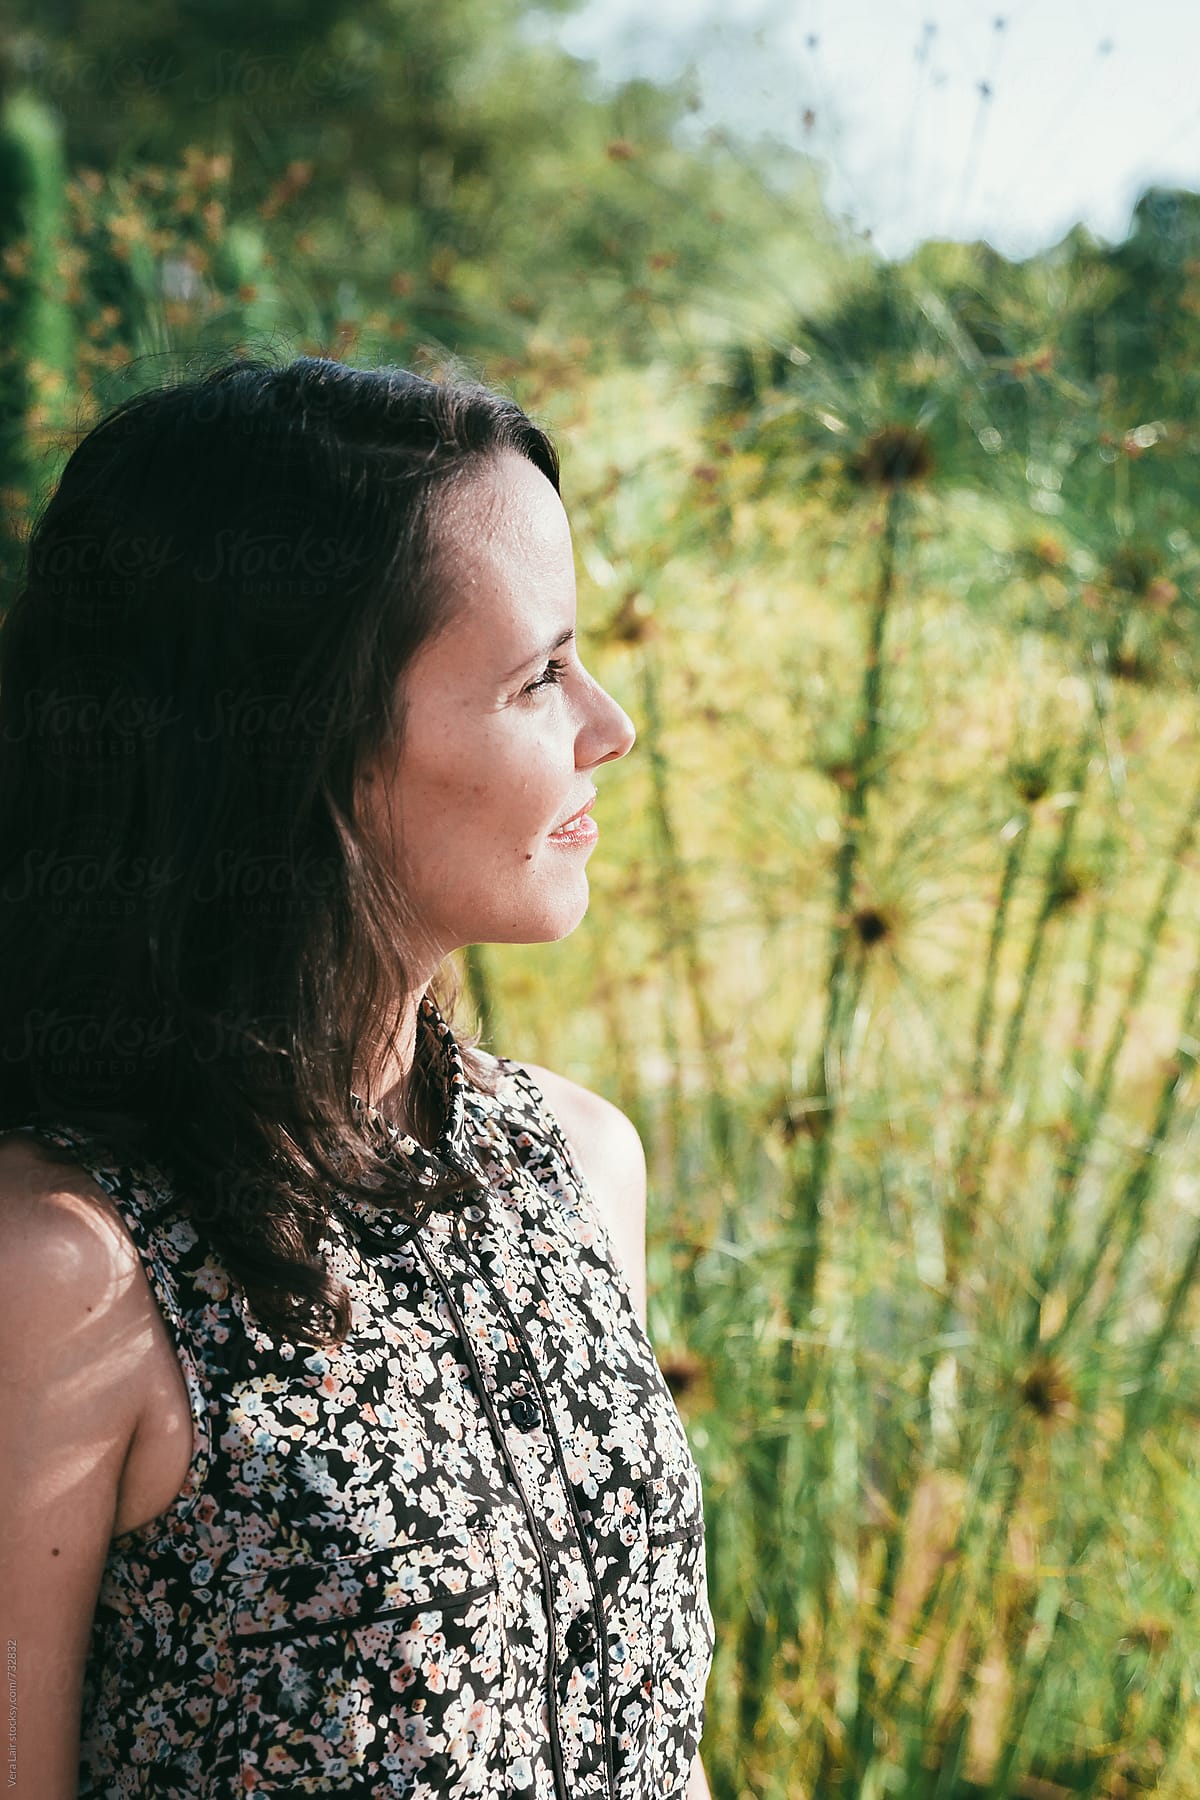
(504, 728)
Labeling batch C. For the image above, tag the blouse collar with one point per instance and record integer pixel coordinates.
(449, 1082)
(443, 1059)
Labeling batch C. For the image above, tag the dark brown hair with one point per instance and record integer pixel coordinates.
(198, 944)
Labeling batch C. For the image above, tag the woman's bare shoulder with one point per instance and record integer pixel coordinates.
(43, 1199)
(69, 1271)
(71, 1331)
(586, 1115)
(609, 1151)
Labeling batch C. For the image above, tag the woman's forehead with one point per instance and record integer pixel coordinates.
(509, 507)
(507, 554)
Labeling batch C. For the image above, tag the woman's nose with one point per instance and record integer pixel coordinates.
(610, 732)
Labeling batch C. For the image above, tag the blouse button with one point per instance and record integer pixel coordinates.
(579, 1634)
(524, 1412)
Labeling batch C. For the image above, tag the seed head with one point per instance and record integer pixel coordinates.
(632, 623)
(1031, 779)
(801, 1117)
(872, 925)
(1048, 1391)
(1067, 890)
(892, 457)
(1132, 568)
(1133, 665)
(682, 1371)
(840, 771)
(1149, 1634)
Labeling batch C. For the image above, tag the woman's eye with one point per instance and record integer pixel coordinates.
(551, 675)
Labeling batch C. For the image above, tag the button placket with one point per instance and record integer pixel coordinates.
(446, 1271)
(512, 1384)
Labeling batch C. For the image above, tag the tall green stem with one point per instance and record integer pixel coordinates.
(975, 1147)
(805, 1201)
(1129, 1199)
(479, 986)
(679, 921)
(760, 1640)
(1137, 1403)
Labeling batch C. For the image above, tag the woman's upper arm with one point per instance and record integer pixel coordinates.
(698, 1788)
(71, 1331)
(610, 1153)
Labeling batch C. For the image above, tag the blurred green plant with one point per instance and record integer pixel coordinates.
(36, 337)
(870, 1452)
(897, 564)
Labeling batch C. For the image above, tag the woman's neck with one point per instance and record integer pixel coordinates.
(395, 1089)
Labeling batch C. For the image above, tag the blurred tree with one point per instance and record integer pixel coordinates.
(446, 168)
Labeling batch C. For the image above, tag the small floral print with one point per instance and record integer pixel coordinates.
(347, 1597)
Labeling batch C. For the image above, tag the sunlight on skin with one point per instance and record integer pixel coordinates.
(504, 730)
(112, 1361)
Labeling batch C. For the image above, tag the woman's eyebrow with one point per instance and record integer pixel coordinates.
(564, 637)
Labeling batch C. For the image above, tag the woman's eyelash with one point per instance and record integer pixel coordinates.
(551, 675)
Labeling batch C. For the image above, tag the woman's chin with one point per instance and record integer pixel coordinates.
(543, 925)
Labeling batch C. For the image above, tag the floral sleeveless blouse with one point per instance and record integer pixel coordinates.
(461, 1554)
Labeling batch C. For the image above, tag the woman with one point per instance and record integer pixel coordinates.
(337, 1459)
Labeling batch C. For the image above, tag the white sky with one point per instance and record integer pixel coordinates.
(1091, 101)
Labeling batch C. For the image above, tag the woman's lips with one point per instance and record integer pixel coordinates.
(578, 829)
